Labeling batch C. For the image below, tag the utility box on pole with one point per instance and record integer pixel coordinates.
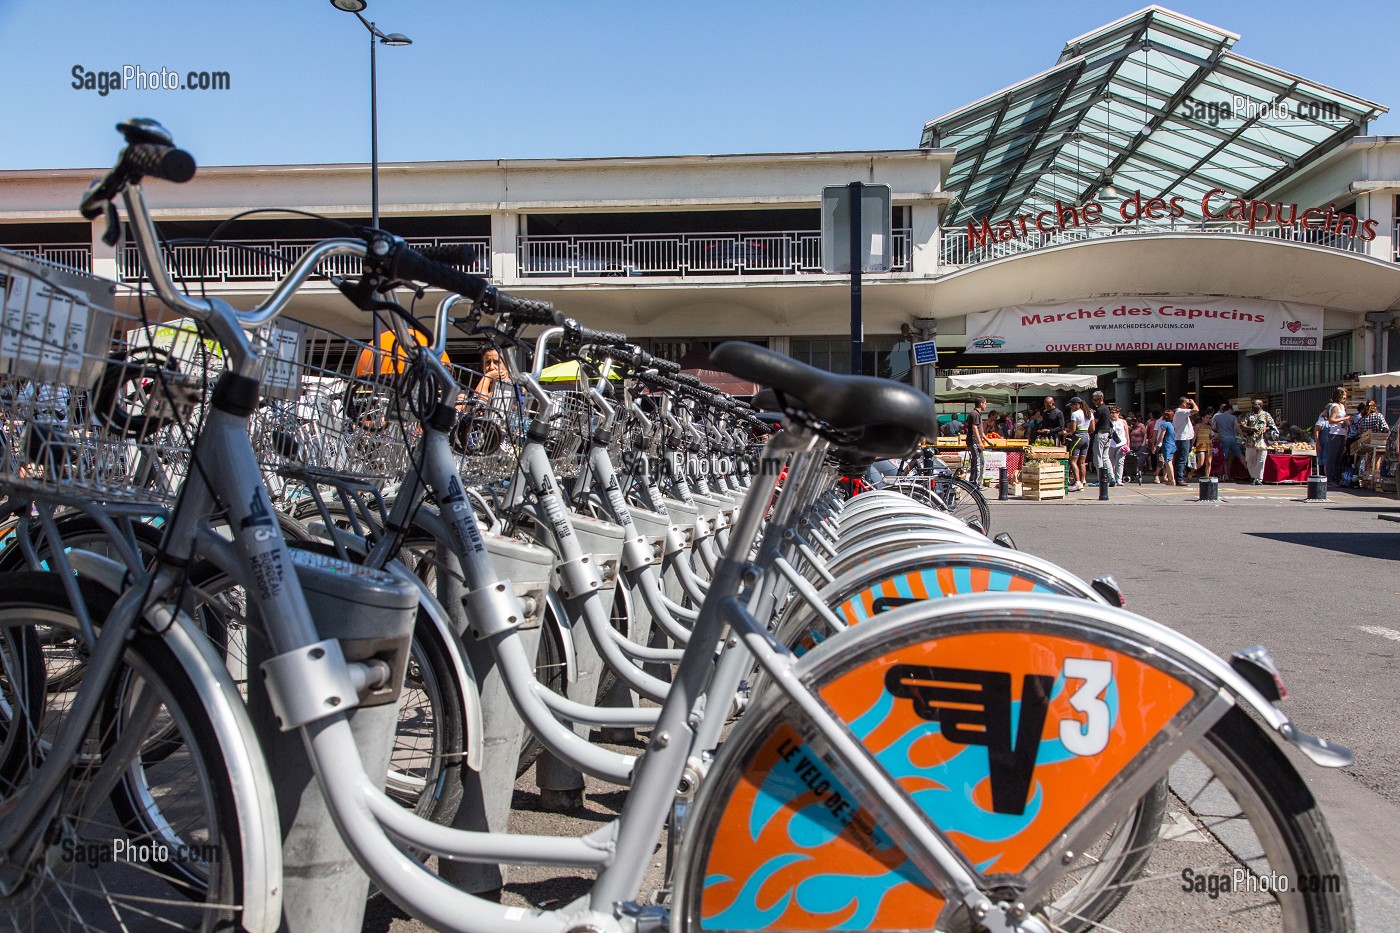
(856, 239)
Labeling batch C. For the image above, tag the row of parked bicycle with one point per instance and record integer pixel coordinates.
(287, 612)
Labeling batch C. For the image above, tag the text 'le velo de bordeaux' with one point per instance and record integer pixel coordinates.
(134, 77)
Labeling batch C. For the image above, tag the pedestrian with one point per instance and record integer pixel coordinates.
(1201, 451)
(1258, 429)
(976, 441)
(1118, 445)
(1052, 423)
(1101, 428)
(1338, 423)
(1319, 439)
(494, 373)
(1164, 443)
(1351, 466)
(1185, 433)
(1373, 420)
(1227, 429)
(1079, 443)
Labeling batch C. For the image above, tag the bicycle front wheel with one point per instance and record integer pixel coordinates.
(963, 500)
(1012, 724)
(160, 849)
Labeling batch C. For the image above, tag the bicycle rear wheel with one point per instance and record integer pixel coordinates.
(162, 849)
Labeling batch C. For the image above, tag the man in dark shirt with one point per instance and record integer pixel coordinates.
(1052, 422)
(1101, 429)
(976, 441)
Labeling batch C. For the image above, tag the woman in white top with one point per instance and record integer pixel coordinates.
(1338, 422)
(1079, 442)
(1117, 444)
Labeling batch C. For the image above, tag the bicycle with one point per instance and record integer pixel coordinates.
(826, 741)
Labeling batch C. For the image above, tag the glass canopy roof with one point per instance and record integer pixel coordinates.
(1155, 102)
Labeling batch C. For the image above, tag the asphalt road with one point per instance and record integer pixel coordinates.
(1318, 583)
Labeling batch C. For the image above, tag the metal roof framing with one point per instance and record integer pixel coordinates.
(1014, 141)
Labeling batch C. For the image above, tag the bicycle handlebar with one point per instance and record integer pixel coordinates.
(137, 161)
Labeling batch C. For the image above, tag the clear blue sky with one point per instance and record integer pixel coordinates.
(546, 78)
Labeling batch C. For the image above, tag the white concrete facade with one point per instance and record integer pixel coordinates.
(508, 191)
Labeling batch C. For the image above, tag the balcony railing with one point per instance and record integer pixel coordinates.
(957, 251)
(74, 257)
(269, 260)
(783, 252)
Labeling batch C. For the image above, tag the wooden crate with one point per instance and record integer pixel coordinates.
(1047, 453)
(1042, 493)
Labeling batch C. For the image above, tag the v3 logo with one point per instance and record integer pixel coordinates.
(974, 707)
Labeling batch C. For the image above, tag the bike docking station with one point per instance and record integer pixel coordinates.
(487, 791)
(586, 582)
(368, 616)
(646, 550)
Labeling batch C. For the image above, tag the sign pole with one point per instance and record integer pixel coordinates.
(857, 255)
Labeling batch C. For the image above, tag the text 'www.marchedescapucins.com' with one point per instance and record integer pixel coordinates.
(136, 78)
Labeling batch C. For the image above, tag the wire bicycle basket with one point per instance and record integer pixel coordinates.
(335, 409)
(569, 432)
(490, 428)
(94, 402)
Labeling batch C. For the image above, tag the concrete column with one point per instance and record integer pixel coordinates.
(1174, 383)
(1245, 377)
(924, 239)
(1380, 207)
(104, 257)
(1123, 385)
(505, 230)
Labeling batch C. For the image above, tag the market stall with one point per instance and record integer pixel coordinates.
(1284, 463)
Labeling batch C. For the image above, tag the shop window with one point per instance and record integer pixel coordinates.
(889, 357)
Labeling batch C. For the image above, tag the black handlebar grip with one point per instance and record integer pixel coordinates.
(152, 160)
(528, 311)
(669, 367)
(686, 379)
(409, 263)
(583, 334)
(603, 337)
(451, 254)
(628, 353)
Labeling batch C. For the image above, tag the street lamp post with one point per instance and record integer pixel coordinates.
(375, 36)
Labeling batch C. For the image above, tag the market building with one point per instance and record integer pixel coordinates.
(1153, 209)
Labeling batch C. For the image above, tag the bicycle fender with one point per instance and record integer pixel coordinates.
(261, 837)
(466, 679)
(566, 634)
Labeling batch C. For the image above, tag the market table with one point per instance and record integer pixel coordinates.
(1278, 467)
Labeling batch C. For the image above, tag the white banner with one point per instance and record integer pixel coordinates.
(1146, 324)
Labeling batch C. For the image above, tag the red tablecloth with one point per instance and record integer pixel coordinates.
(1278, 468)
(1287, 468)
